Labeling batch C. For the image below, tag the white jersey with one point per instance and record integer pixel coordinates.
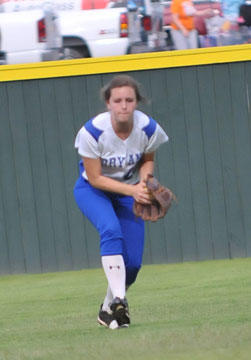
(119, 158)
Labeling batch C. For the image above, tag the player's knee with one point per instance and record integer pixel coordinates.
(131, 274)
(111, 246)
(109, 231)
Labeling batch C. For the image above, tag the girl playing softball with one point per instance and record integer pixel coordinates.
(117, 152)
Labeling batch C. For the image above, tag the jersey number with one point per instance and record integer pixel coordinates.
(129, 174)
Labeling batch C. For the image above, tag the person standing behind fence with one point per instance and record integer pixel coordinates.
(183, 30)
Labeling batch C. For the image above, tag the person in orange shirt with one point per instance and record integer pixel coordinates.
(183, 31)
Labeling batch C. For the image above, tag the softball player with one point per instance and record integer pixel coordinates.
(117, 152)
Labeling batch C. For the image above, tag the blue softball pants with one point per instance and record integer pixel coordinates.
(121, 233)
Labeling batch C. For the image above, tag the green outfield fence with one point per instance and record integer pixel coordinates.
(200, 97)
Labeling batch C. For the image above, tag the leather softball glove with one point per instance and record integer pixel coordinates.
(162, 198)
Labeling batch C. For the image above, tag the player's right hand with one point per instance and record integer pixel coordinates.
(141, 194)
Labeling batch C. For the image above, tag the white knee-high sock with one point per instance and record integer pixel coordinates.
(114, 268)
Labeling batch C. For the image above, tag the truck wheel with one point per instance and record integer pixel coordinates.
(75, 53)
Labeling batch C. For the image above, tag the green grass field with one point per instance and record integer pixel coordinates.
(188, 311)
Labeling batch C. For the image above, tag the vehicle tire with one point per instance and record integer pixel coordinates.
(75, 53)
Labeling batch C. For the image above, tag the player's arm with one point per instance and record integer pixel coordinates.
(99, 181)
(147, 165)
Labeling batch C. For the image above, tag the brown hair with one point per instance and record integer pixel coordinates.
(119, 81)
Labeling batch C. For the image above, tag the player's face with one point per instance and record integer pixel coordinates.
(122, 104)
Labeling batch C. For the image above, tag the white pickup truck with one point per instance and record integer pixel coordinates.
(29, 36)
(85, 33)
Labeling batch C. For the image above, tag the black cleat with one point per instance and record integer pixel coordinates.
(107, 320)
(120, 311)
